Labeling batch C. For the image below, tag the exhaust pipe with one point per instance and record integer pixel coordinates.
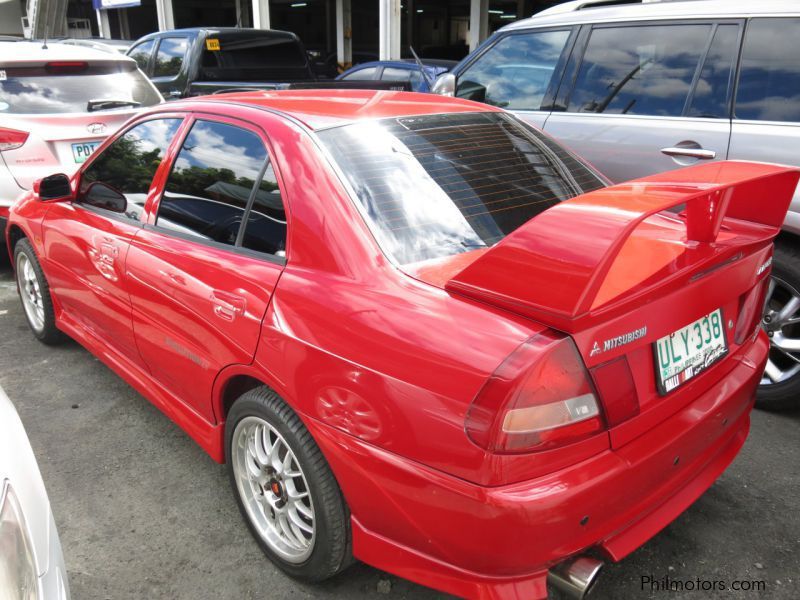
(575, 577)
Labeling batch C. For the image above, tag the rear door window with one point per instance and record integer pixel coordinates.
(712, 92)
(769, 76)
(129, 164)
(639, 70)
(361, 74)
(141, 54)
(212, 189)
(169, 58)
(516, 72)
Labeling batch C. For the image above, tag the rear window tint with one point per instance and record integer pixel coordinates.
(38, 91)
(248, 57)
(438, 185)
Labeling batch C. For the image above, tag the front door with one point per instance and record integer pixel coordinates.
(86, 241)
(649, 97)
(203, 270)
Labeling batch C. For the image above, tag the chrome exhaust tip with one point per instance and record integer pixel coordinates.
(575, 577)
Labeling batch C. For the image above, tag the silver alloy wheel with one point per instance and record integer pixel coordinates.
(273, 489)
(781, 321)
(30, 291)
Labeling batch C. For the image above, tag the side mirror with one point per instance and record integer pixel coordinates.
(106, 197)
(445, 85)
(53, 187)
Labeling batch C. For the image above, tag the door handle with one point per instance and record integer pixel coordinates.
(227, 306)
(173, 278)
(690, 153)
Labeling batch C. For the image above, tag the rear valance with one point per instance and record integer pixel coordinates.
(559, 266)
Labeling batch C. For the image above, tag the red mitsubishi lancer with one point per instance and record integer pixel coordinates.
(420, 333)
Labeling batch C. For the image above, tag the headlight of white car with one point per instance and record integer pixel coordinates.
(18, 575)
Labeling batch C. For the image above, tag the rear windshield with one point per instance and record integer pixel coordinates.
(253, 57)
(434, 186)
(39, 90)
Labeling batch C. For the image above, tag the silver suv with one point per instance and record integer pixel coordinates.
(641, 87)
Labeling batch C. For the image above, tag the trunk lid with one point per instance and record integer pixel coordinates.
(619, 274)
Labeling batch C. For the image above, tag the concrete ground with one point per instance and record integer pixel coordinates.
(144, 513)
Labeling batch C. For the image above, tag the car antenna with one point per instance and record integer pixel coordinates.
(44, 41)
(425, 74)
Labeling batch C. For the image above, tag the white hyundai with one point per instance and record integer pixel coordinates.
(57, 104)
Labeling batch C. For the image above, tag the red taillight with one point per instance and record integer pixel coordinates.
(66, 66)
(11, 139)
(614, 382)
(540, 397)
(751, 308)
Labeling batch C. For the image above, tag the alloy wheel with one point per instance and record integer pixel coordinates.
(30, 291)
(273, 489)
(781, 321)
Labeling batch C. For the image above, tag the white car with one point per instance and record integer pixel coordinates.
(57, 104)
(31, 561)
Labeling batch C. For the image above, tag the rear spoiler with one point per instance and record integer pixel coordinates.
(553, 267)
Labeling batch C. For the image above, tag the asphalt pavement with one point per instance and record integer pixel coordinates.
(144, 513)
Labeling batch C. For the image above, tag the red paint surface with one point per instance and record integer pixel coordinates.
(382, 365)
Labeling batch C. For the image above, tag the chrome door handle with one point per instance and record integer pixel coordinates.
(690, 153)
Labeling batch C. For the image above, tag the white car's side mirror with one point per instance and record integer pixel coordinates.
(445, 85)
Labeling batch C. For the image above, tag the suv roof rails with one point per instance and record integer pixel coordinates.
(577, 5)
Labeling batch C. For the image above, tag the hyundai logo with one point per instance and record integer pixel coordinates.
(96, 128)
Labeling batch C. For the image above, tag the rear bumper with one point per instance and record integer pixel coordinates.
(499, 542)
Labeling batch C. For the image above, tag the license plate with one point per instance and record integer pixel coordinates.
(689, 351)
(81, 151)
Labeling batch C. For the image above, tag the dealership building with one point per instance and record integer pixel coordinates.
(370, 29)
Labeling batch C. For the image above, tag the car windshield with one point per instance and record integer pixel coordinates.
(438, 185)
(69, 89)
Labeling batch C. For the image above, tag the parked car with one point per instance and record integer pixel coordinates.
(400, 70)
(384, 312)
(192, 62)
(640, 88)
(31, 559)
(57, 103)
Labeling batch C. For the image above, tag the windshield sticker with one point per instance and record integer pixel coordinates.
(212, 44)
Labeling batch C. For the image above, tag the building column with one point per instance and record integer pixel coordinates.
(103, 26)
(261, 14)
(124, 27)
(166, 20)
(344, 35)
(478, 22)
(389, 29)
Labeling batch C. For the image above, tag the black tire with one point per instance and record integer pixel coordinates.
(786, 394)
(332, 549)
(48, 333)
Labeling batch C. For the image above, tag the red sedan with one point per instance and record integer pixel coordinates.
(419, 332)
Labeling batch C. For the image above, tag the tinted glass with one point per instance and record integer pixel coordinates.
(266, 223)
(438, 185)
(211, 181)
(253, 56)
(516, 72)
(769, 79)
(36, 90)
(366, 73)
(639, 70)
(712, 92)
(129, 164)
(413, 76)
(141, 53)
(169, 57)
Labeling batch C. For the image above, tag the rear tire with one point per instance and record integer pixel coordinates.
(285, 489)
(780, 386)
(34, 292)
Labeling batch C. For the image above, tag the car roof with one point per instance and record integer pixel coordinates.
(322, 108)
(586, 11)
(409, 63)
(54, 51)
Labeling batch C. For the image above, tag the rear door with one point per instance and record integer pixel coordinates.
(519, 71)
(643, 98)
(86, 242)
(203, 269)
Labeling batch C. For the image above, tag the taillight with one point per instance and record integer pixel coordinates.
(751, 309)
(539, 398)
(614, 382)
(11, 139)
(66, 66)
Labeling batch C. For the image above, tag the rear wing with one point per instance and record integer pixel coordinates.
(554, 267)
